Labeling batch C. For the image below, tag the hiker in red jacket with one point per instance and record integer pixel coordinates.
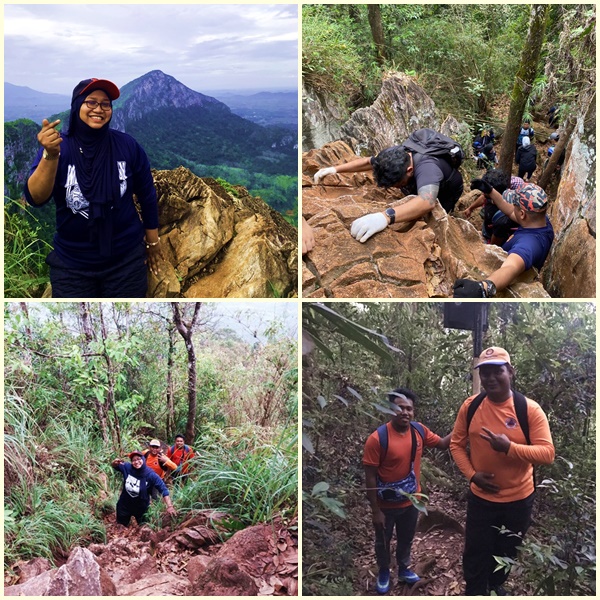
(391, 466)
(181, 455)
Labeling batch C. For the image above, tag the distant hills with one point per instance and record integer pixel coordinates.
(264, 108)
(21, 102)
(179, 126)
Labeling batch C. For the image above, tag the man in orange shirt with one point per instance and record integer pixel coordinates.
(499, 468)
(157, 460)
(180, 454)
(387, 469)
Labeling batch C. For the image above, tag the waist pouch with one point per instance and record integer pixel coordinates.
(395, 491)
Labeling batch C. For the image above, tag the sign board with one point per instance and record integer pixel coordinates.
(466, 315)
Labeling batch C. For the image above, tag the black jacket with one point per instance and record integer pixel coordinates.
(526, 156)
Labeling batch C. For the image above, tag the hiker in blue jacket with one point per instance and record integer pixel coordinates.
(425, 177)
(101, 245)
(138, 484)
(392, 462)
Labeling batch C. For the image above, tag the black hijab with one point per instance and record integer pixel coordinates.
(93, 154)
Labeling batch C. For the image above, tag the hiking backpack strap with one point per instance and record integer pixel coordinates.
(520, 403)
(382, 432)
(473, 407)
(521, 409)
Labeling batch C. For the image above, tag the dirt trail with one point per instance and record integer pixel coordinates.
(191, 560)
(436, 553)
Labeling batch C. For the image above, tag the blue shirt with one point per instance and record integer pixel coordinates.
(72, 240)
(532, 244)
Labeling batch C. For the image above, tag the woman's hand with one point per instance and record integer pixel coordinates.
(49, 138)
(154, 256)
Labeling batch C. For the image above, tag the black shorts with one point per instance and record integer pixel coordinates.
(127, 278)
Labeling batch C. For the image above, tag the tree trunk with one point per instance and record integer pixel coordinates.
(186, 331)
(547, 173)
(110, 393)
(374, 12)
(523, 81)
(88, 333)
(170, 391)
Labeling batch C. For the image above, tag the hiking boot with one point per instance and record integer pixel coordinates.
(499, 591)
(383, 581)
(408, 576)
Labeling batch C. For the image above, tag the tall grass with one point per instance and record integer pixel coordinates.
(252, 482)
(44, 519)
(25, 269)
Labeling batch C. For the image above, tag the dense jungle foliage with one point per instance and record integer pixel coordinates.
(349, 366)
(465, 56)
(85, 384)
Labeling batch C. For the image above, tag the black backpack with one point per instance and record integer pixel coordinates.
(428, 141)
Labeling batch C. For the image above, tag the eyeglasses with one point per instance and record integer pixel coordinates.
(154, 446)
(105, 105)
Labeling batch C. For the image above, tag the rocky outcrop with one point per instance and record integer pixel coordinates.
(80, 576)
(219, 244)
(570, 271)
(414, 260)
(321, 119)
(401, 108)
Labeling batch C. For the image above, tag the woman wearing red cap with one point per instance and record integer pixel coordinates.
(101, 244)
(139, 482)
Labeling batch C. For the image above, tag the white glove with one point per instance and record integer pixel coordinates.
(362, 229)
(320, 174)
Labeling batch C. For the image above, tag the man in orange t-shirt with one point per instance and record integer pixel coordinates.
(391, 466)
(499, 468)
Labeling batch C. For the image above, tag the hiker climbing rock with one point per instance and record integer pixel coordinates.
(181, 455)
(497, 227)
(392, 462)
(425, 166)
(527, 248)
(507, 434)
(138, 483)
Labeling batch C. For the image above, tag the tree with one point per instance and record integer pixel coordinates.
(377, 32)
(186, 330)
(523, 81)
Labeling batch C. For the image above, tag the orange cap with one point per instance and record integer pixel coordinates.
(493, 356)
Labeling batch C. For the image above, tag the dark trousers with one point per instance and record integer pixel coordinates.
(483, 540)
(405, 522)
(127, 278)
(125, 512)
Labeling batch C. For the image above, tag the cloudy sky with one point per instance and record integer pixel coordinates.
(207, 47)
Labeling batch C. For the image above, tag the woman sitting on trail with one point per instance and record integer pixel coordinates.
(138, 483)
(101, 245)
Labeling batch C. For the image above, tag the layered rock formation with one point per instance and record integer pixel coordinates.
(220, 245)
(570, 271)
(424, 258)
(413, 260)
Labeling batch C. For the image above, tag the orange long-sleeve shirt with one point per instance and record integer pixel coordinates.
(513, 472)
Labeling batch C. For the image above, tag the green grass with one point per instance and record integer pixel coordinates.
(252, 483)
(25, 269)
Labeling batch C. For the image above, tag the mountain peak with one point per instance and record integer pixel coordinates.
(153, 91)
